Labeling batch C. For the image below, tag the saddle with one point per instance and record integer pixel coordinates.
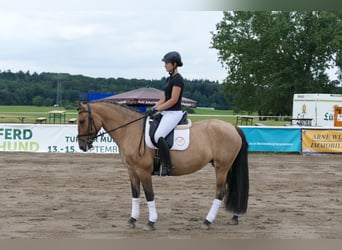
(177, 139)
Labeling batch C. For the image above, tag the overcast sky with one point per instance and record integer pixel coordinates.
(106, 40)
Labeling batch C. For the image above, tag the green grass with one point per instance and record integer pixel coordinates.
(32, 112)
(213, 112)
(230, 116)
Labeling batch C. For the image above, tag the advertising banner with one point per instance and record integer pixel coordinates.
(321, 141)
(54, 138)
(273, 139)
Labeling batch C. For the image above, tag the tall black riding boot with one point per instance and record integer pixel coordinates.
(165, 156)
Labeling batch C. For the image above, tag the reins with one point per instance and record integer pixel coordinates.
(121, 126)
(91, 124)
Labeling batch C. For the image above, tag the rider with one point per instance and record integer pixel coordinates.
(170, 105)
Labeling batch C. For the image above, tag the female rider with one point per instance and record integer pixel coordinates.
(170, 105)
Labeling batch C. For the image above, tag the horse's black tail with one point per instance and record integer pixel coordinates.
(236, 199)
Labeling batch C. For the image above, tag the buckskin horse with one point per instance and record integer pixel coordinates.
(225, 148)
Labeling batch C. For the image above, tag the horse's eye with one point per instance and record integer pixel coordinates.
(81, 122)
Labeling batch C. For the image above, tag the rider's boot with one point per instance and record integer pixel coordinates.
(165, 156)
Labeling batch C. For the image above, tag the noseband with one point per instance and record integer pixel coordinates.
(91, 124)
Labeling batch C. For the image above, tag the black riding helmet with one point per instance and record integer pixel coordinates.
(173, 57)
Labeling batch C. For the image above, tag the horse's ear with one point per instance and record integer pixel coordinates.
(80, 105)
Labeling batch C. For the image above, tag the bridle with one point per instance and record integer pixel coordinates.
(91, 125)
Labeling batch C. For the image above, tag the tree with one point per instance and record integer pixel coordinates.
(269, 56)
(38, 100)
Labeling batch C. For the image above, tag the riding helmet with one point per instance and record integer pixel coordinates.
(173, 57)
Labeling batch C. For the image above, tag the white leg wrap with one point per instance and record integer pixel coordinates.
(213, 210)
(152, 211)
(135, 208)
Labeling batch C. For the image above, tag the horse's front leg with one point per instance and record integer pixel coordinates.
(135, 188)
(146, 181)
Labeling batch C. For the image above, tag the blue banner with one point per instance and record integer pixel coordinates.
(273, 139)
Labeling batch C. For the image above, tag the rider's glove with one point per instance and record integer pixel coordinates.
(151, 112)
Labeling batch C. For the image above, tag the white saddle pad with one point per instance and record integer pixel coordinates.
(181, 138)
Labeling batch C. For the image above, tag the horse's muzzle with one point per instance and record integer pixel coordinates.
(84, 148)
(85, 145)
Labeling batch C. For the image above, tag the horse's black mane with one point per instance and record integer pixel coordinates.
(121, 105)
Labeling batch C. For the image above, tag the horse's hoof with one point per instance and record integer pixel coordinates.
(234, 220)
(131, 223)
(206, 225)
(149, 226)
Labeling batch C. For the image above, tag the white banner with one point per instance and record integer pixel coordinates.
(53, 138)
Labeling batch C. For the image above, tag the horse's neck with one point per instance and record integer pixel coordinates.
(115, 116)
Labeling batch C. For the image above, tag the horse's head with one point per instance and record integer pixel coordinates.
(87, 127)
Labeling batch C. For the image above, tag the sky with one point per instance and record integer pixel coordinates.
(107, 39)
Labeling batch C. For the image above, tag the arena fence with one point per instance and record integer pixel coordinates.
(59, 138)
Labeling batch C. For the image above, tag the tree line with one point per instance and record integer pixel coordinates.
(271, 55)
(25, 88)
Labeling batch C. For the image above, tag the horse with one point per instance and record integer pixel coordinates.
(225, 148)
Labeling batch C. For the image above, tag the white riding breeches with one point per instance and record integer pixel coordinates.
(168, 122)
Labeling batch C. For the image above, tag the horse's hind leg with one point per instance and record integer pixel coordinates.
(221, 173)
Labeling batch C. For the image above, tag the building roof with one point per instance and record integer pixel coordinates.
(144, 96)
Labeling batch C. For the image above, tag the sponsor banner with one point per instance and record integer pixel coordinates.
(321, 141)
(54, 138)
(273, 139)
